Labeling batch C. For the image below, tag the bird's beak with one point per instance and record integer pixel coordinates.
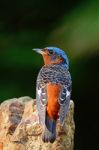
(40, 51)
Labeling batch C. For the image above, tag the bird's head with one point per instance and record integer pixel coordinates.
(53, 55)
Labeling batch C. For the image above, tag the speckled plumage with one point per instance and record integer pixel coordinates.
(56, 74)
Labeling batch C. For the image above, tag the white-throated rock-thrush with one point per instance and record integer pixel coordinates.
(53, 90)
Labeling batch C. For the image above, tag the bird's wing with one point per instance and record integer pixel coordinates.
(64, 100)
(41, 96)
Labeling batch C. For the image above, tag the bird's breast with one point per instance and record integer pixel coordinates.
(53, 91)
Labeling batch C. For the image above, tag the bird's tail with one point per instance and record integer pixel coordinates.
(49, 134)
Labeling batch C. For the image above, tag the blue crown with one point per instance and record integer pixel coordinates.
(61, 53)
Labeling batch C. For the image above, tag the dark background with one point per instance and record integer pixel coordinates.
(68, 24)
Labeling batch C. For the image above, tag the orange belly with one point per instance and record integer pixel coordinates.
(53, 91)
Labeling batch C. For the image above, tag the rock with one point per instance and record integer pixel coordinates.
(20, 128)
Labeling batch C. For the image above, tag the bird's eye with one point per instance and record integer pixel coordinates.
(59, 57)
(50, 52)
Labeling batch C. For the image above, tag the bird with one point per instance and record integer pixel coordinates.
(53, 90)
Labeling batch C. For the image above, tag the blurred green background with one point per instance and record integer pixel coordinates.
(70, 25)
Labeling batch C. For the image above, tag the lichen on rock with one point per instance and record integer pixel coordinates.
(20, 128)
